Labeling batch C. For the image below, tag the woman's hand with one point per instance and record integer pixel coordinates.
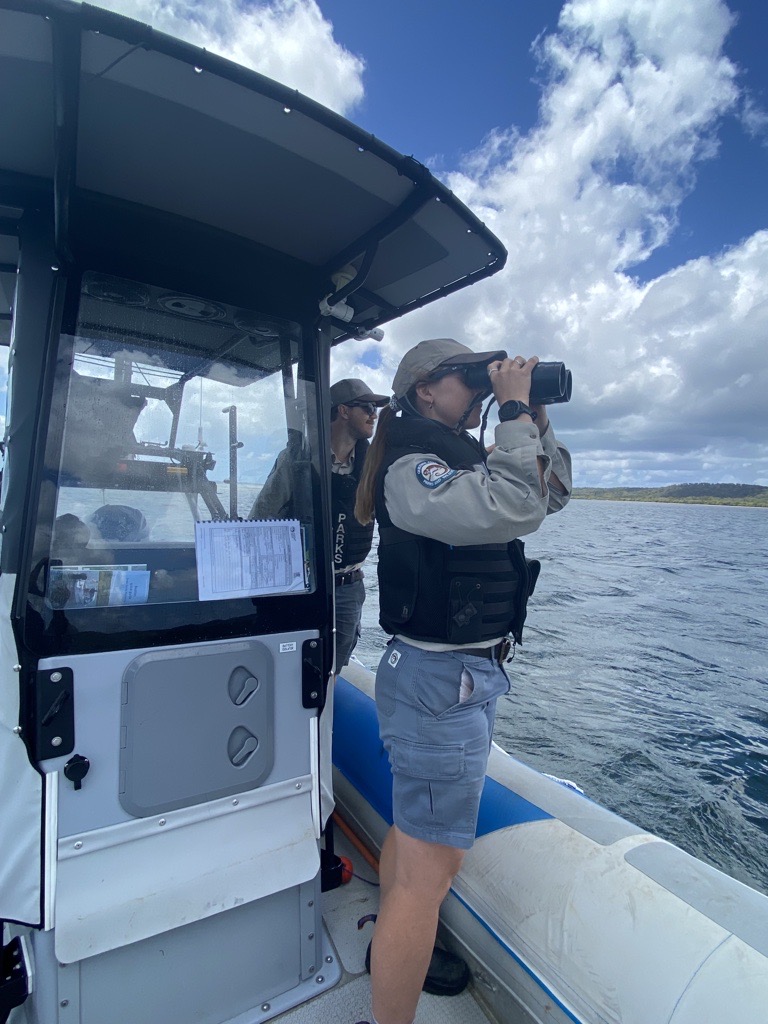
(511, 379)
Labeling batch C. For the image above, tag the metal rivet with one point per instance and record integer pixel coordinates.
(56, 741)
(312, 969)
(161, 822)
(311, 903)
(235, 803)
(313, 643)
(55, 677)
(311, 935)
(78, 845)
(298, 785)
(64, 1002)
(265, 1007)
(17, 668)
(17, 730)
(319, 979)
(313, 695)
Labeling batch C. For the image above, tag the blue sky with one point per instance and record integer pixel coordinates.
(618, 147)
(440, 75)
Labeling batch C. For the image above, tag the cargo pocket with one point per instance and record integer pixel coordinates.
(428, 779)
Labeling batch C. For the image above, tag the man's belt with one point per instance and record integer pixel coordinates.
(342, 578)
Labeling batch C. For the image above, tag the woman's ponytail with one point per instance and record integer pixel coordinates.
(366, 489)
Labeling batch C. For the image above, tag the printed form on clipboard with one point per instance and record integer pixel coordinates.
(249, 558)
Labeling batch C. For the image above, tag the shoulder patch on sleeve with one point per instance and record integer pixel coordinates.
(432, 474)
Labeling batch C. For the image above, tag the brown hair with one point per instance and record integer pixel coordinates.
(366, 489)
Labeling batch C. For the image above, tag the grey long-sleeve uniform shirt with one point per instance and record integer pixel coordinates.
(475, 506)
(478, 506)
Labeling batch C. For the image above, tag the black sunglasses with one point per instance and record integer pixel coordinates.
(369, 407)
(474, 375)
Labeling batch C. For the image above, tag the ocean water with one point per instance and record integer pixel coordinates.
(643, 676)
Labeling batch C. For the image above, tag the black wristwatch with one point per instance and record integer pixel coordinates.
(512, 409)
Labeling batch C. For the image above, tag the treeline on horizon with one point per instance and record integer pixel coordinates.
(694, 494)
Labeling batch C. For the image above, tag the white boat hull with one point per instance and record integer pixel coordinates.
(567, 912)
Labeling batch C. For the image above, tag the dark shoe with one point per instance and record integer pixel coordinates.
(447, 974)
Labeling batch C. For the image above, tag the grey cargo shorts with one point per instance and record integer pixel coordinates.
(438, 744)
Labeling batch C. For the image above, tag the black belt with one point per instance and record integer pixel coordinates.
(342, 578)
(499, 652)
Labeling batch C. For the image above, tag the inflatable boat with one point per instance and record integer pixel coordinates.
(565, 911)
(182, 243)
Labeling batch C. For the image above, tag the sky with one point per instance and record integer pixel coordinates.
(619, 149)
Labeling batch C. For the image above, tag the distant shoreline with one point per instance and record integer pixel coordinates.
(747, 495)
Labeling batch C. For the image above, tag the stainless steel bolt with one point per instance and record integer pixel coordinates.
(161, 822)
(298, 785)
(78, 845)
(235, 803)
(313, 643)
(56, 741)
(55, 677)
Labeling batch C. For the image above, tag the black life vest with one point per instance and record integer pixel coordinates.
(437, 592)
(351, 542)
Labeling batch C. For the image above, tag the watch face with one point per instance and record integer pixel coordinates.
(512, 409)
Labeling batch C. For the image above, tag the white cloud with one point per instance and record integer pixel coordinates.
(671, 375)
(288, 40)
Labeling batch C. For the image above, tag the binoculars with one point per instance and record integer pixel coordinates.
(550, 382)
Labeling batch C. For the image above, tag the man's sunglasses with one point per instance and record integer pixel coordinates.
(369, 407)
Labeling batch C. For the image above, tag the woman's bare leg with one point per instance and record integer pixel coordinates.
(415, 878)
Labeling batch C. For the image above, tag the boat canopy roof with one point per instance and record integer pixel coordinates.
(101, 112)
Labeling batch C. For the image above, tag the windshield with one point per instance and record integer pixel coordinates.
(170, 412)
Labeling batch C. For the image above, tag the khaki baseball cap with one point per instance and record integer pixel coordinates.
(423, 359)
(350, 390)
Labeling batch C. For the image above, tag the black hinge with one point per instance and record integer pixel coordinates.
(14, 978)
(55, 717)
(312, 691)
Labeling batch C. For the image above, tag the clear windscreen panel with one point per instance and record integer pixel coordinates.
(177, 410)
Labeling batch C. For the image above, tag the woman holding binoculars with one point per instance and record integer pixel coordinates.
(453, 588)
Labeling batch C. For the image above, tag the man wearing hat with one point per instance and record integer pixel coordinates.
(353, 418)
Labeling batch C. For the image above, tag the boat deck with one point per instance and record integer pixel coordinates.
(350, 1000)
